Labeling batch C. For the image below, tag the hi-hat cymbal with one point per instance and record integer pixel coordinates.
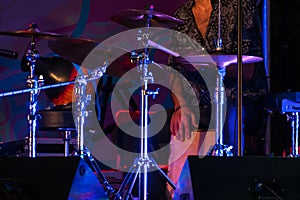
(134, 18)
(32, 32)
(222, 61)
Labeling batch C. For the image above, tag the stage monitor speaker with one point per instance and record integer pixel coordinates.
(48, 178)
(237, 178)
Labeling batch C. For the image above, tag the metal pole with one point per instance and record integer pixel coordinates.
(297, 135)
(266, 39)
(266, 56)
(144, 131)
(240, 78)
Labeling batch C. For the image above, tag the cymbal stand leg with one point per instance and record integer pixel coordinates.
(109, 190)
(33, 82)
(220, 149)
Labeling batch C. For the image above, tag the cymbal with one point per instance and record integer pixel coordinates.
(72, 49)
(32, 32)
(134, 18)
(220, 60)
(76, 50)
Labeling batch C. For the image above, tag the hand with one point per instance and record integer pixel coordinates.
(180, 123)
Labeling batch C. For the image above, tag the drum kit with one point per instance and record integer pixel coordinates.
(75, 50)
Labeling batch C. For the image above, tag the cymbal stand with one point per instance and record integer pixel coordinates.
(220, 149)
(143, 162)
(82, 101)
(294, 118)
(33, 82)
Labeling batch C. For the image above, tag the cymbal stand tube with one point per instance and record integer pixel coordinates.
(81, 102)
(219, 100)
(33, 82)
(220, 149)
(294, 118)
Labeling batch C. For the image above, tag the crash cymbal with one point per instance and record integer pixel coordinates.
(79, 50)
(134, 18)
(72, 49)
(32, 32)
(220, 60)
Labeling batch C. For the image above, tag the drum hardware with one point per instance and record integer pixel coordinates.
(76, 50)
(46, 146)
(291, 109)
(21, 91)
(59, 120)
(132, 19)
(221, 61)
(82, 101)
(33, 81)
(67, 138)
(36, 85)
(32, 137)
(287, 103)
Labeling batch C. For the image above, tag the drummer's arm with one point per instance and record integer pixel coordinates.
(182, 116)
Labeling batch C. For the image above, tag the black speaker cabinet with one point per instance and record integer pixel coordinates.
(236, 178)
(48, 178)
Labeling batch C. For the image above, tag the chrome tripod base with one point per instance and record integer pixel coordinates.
(220, 150)
(136, 170)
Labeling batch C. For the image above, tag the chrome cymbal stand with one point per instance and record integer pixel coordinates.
(293, 117)
(220, 149)
(82, 101)
(34, 83)
(140, 166)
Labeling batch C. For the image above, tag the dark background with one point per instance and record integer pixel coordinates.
(285, 68)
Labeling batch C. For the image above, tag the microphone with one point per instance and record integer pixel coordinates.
(260, 186)
(8, 54)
